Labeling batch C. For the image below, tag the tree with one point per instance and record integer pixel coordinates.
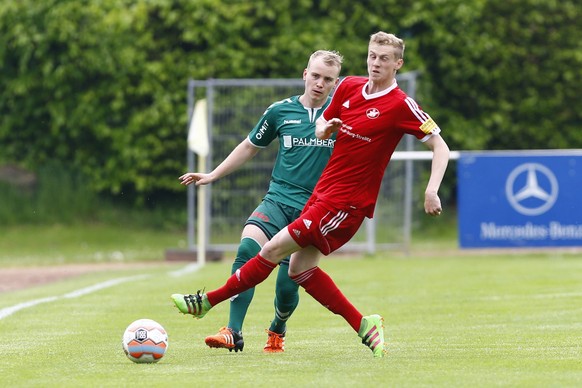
(101, 86)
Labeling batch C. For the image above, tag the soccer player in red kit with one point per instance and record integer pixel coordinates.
(370, 116)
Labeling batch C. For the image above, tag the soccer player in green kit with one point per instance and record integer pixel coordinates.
(300, 161)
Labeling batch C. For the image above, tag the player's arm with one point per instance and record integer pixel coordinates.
(324, 129)
(440, 160)
(242, 153)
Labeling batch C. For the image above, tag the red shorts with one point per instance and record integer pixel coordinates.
(325, 227)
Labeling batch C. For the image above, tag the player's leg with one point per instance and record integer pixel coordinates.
(322, 288)
(335, 229)
(255, 271)
(304, 270)
(286, 301)
(286, 298)
(251, 242)
(230, 337)
(252, 272)
(327, 230)
(286, 290)
(247, 276)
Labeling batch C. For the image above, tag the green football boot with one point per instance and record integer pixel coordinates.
(193, 304)
(372, 334)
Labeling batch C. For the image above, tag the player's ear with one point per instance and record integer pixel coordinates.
(399, 63)
(304, 74)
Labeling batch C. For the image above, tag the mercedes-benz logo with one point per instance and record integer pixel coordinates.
(531, 189)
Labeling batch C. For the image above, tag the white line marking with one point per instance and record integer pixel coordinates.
(532, 296)
(186, 270)
(7, 311)
(12, 309)
(100, 286)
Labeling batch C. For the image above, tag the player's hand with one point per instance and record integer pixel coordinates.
(333, 125)
(195, 177)
(432, 204)
(325, 130)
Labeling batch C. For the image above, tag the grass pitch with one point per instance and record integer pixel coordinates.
(470, 320)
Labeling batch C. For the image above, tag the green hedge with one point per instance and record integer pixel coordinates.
(101, 85)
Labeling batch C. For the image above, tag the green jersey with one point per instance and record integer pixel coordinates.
(301, 156)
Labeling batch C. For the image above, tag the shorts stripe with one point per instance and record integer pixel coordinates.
(334, 222)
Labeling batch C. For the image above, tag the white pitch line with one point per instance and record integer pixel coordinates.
(193, 267)
(532, 296)
(5, 312)
(106, 284)
(8, 311)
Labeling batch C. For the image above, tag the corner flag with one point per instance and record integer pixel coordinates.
(198, 131)
(198, 143)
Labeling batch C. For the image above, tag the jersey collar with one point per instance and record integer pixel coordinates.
(379, 94)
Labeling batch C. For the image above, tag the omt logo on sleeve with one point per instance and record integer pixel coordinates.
(520, 199)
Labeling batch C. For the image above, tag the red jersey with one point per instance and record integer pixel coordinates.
(373, 124)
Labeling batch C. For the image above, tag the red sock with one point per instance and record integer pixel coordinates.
(249, 275)
(321, 287)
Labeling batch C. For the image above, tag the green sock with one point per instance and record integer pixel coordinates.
(286, 299)
(240, 303)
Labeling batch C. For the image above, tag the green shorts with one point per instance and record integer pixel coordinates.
(271, 217)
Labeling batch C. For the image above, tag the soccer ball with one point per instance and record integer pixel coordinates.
(145, 341)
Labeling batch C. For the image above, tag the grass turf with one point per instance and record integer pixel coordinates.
(510, 320)
(27, 245)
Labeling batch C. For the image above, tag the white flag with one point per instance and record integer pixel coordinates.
(198, 131)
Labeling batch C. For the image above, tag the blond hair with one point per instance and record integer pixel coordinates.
(384, 39)
(330, 58)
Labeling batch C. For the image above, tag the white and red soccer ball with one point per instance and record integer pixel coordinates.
(145, 341)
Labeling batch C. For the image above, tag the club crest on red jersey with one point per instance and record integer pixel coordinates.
(372, 113)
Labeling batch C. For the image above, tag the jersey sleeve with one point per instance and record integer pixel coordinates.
(417, 122)
(266, 129)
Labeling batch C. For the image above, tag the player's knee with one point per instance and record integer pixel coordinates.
(293, 274)
(272, 252)
(247, 249)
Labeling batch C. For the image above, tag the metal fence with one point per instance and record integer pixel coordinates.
(234, 106)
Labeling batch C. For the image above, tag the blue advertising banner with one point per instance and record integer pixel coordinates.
(520, 199)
